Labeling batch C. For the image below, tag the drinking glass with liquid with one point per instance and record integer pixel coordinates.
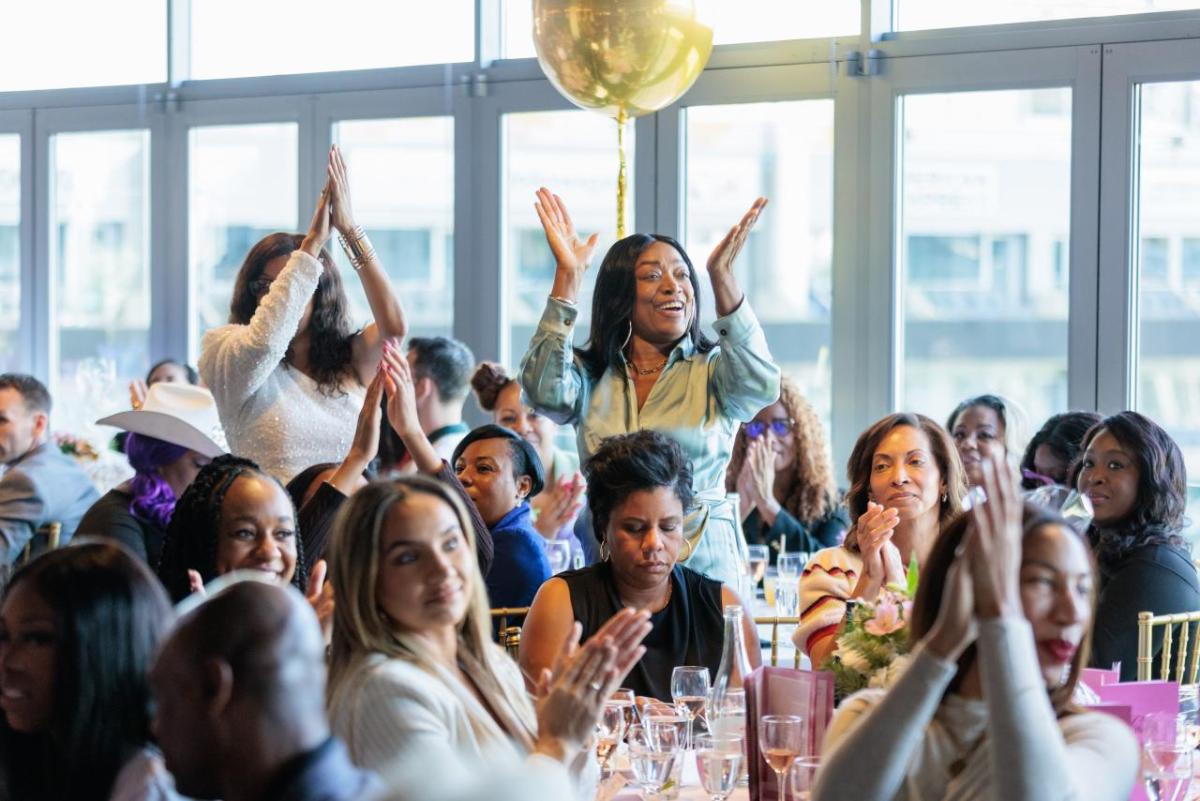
(689, 691)
(719, 760)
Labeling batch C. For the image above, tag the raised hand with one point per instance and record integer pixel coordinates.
(994, 548)
(319, 228)
(365, 444)
(558, 507)
(401, 393)
(571, 254)
(137, 393)
(720, 262)
(747, 487)
(195, 582)
(320, 596)
(761, 458)
(875, 528)
(338, 181)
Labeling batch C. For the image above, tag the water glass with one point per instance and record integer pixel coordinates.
(757, 558)
(559, 554)
(719, 762)
(653, 757)
(689, 691)
(789, 565)
(610, 730)
(802, 777)
(787, 598)
(1167, 755)
(627, 700)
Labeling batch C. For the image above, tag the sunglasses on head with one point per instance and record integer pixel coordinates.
(756, 428)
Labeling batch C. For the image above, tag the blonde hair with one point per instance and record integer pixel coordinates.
(360, 627)
(814, 493)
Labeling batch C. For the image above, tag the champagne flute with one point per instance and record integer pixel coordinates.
(719, 763)
(780, 738)
(610, 730)
(689, 689)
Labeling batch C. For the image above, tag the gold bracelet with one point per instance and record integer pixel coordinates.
(358, 247)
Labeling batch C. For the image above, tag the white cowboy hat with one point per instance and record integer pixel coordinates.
(180, 414)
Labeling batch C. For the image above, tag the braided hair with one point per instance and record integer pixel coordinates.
(191, 538)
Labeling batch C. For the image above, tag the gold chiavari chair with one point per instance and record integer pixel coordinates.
(775, 623)
(509, 636)
(1186, 657)
(53, 534)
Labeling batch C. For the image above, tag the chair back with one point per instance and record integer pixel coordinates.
(52, 532)
(775, 623)
(1182, 651)
(508, 636)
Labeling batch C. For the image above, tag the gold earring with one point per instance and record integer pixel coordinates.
(688, 543)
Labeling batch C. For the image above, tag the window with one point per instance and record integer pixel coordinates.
(581, 147)
(985, 198)
(100, 253)
(52, 44)
(233, 38)
(915, 15)
(732, 23)
(783, 151)
(10, 249)
(1168, 364)
(242, 186)
(402, 180)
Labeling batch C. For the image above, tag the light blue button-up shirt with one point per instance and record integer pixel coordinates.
(699, 400)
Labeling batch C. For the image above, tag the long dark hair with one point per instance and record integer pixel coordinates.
(1158, 511)
(614, 297)
(858, 468)
(928, 602)
(191, 539)
(331, 340)
(110, 614)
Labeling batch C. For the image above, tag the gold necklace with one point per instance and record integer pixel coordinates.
(649, 370)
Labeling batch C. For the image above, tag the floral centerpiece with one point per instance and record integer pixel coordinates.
(872, 646)
(77, 447)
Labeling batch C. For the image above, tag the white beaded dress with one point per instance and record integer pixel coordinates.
(273, 413)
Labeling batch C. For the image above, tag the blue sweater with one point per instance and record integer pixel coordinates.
(519, 565)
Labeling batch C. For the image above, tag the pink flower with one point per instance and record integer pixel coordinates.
(888, 617)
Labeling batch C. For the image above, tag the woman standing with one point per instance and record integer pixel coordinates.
(781, 472)
(287, 372)
(647, 365)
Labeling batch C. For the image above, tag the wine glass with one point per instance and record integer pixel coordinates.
(689, 689)
(1166, 757)
(757, 558)
(780, 738)
(610, 730)
(626, 699)
(802, 777)
(719, 763)
(559, 554)
(652, 765)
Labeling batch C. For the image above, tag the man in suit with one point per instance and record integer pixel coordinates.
(40, 485)
(239, 690)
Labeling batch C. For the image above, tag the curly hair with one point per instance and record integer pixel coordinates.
(488, 381)
(331, 340)
(191, 538)
(629, 463)
(813, 491)
(153, 499)
(1158, 511)
(614, 297)
(858, 467)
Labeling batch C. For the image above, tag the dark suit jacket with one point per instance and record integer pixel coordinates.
(41, 487)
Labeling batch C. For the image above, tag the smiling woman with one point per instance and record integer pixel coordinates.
(1133, 473)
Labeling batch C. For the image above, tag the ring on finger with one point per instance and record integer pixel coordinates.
(596, 686)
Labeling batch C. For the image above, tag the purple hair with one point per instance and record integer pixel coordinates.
(153, 498)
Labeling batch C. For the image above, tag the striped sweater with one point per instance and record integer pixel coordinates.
(825, 585)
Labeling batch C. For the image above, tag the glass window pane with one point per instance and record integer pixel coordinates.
(233, 38)
(985, 195)
(1168, 364)
(100, 252)
(10, 249)
(732, 23)
(242, 185)
(783, 151)
(915, 15)
(402, 181)
(581, 147)
(52, 44)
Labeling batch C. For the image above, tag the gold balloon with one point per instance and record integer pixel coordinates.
(621, 58)
(613, 56)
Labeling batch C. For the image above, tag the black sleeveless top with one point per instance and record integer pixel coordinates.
(690, 630)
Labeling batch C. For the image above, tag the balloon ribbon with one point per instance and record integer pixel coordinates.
(622, 172)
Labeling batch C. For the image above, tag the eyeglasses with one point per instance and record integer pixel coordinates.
(259, 286)
(780, 428)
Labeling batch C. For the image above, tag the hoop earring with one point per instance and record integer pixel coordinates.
(688, 543)
(945, 497)
(605, 554)
(628, 336)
